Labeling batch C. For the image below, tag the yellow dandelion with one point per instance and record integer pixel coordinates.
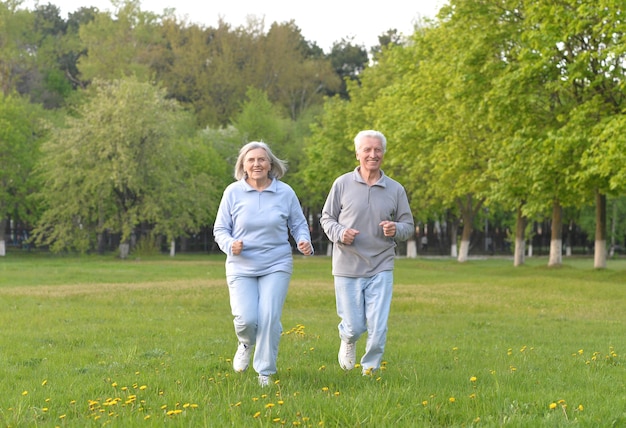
(276, 420)
(269, 405)
(552, 406)
(63, 416)
(281, 402)
(451, 399)
(472, 396)
(124, 388)
(424, 403)
(561, 402)
(163, 407)
(45, 409)
(477, 419)
(455, 349)
(24, 392)
(45, 381)
(473, 379)
(336, 393)
(194, 406)
(143, 387)
(580, 408)
(114, 384)
(257, 414)
(145, 418)
(580, 352)
(237, 404)
(186, 405)
(325, 389)
(73, 402)
(322, 368)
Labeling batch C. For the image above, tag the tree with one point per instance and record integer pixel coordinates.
(580, 43)
(348, 61)
(17, 39)
(125, 46)
(20, 133)
(122, 160)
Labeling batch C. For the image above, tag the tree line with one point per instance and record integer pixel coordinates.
(129, 123)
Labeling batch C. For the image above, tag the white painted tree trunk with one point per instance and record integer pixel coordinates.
(411, 249)
(453, 251)
(556, 252)
(530, 250)
(518, 258)
(3, 249)
(599, 256)
(172, 248)
(464, 252)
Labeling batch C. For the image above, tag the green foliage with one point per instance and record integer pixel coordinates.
(20, 136)
(96, 340)
(125, 159)
(146, 246)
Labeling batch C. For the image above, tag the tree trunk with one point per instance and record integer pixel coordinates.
(465, 240)
(520, 240)
(3, 228)
(454, 226)
(172, 248)
(411, 248)
(599, 257)
(124, 250)
(556, 239)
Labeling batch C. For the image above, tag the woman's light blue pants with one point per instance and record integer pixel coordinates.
(257, 304)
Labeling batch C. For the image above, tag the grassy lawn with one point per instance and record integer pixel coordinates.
(94, 341)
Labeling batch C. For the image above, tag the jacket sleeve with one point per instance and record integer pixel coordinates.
(405, 226)
(297, 222)
(330, 214)
(223, 227)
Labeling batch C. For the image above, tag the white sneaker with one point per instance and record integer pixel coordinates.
(347, 355)
(242, 357)
(264, 380)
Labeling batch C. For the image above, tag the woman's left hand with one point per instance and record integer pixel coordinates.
(305, 248)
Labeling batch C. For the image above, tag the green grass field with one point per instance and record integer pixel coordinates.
(97, 341)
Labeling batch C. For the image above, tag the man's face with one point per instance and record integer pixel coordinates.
(370, 154)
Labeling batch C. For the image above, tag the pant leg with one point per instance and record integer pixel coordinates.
(377, 305)
(244, 303)
(350, 302)
(272, 294)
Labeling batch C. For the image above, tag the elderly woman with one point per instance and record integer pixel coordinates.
(255, 217)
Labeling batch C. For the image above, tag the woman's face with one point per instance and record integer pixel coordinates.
(257, 164)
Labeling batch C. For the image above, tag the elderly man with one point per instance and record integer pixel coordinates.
(365, 214)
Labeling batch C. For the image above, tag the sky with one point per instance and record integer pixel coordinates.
(320, 21)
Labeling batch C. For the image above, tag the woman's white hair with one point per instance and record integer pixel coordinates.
(278, 167)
